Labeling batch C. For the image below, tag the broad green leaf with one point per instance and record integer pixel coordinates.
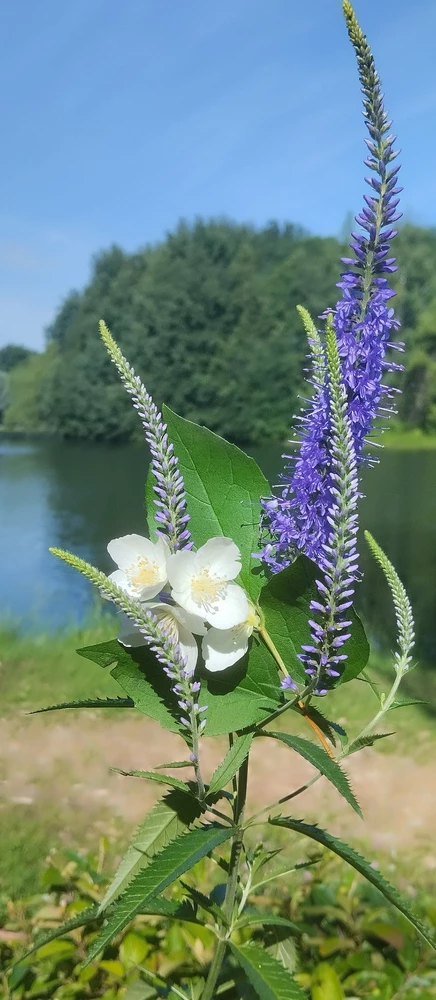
(223, 487)
(178, 857)
(87, 703)
(325, 983)
(317, 756)
(279, 943)
(266, 974)
(237, 698)
(232, 762)
(138, 990)
(163, 779)
(360, 864)
(366, 741)
(251, 918)
(166, 821)
(285, 602)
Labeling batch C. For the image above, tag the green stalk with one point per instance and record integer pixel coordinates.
(232, 884)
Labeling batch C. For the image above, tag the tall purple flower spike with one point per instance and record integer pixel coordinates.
(296, 520)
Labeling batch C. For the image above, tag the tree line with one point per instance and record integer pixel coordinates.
(208, 319)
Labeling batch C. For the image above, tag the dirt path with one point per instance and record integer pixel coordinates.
(68, 763)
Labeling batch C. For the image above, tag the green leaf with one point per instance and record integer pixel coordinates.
(174, 860)
(269, 978)
(237, 698)
(166, 821)
(285, 602)
(231, 763)
(251, 918)
(317, 756)
(163, 779)
(86, 916)
(325, 983)
(360, 864)
(204, 901)
(87, 703)
(329, 728)
(406, 703)
(223, 487)
(174, 763)
(366, 741)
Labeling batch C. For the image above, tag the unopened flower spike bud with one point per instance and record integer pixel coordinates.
(170, 498)
(402, 605)
(324, 657)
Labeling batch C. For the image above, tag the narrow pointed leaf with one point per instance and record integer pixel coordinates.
(174, 763)
(80, 920)
(406, 703)
(317, 756)
(269, 978)
(163, 779)
(232, 762)
(177, 857)
(366, 741)
(87, 703)
(360, 864)
(166, 821)
(250, 918)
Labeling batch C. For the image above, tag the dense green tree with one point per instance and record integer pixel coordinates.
(208, 319)
(12, 355)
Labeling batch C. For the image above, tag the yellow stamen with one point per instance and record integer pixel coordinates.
(142, 572)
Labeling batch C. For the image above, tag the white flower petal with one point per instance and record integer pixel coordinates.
(222, 648)
(124, 550)
(119, 578)
(230, 610)
(129, 635)
(192, 622)
(221, 556)
(180, 569)
(188, 648)
(143, 562)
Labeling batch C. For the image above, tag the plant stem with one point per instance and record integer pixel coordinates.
(384, 708)
(232, 884)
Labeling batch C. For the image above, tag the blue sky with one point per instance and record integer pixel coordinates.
(120, 118)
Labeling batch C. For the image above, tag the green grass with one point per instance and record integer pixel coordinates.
(43, 669)
(413, 440)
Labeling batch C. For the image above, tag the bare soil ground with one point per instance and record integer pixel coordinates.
(66, 765)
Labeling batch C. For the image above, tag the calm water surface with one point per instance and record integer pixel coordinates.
(78, 496)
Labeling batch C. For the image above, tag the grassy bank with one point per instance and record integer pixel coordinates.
(414, 440)
(65, 758)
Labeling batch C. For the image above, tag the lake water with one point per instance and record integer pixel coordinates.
(78, 496)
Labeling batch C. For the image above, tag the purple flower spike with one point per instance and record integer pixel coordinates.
(297, 519)
(337, 556)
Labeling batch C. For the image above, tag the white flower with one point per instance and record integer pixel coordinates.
(221, 648)
(142, 565)
(178, 624)
(200, 582)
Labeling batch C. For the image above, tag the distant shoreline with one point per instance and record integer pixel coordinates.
(395, 440)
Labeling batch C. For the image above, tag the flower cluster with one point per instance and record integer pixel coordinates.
(298, 518)
(195, 590)
(169, 489)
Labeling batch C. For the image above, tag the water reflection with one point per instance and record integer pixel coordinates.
(79, 496)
